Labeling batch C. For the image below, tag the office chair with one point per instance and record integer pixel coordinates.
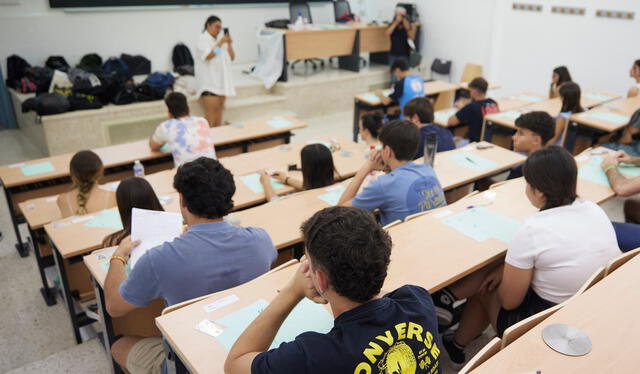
(301, 9)
(341, 11)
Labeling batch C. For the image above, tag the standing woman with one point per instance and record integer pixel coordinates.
(400, 31)
(214, 54)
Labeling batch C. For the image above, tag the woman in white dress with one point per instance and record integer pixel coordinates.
(214, 54)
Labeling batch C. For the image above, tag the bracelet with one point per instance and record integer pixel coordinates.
(609, 168)
(119, 258)
(286, 180)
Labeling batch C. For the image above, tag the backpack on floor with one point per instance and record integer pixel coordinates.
(91, 63)
(46, 104)
(182, 60)
(119, 67)
(139, 65)
(16, 70)
(83, 80)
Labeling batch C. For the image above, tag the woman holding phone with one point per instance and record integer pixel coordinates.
(214, 54)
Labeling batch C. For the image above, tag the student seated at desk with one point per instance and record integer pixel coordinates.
(627, 139)
(85, 195)
(473, 113)
(407, 187)
(635, 74)
(571, 96)
(345, 265)
(188, 136)
(533, 132)
(550, 257)
(420, 112)
(132, 193)
(628, 233)
(370, 125)
(405, 88)
(210, 256)
(559, 77)
(317, 171)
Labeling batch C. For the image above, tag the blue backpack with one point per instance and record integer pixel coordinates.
(156, 85)
(119, 68)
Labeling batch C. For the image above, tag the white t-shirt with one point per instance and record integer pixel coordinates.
(213, 75)
(564, 246)
(188, 138)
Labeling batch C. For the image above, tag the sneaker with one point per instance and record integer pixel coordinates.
(457, 313)
(443, 303)
(455, 351)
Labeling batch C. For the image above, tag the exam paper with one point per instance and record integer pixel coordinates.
(152, 228)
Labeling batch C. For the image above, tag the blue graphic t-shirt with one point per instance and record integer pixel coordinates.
(397, 333)
(407, 89)
(410, 188)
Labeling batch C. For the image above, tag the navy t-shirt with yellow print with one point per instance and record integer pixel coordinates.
(396, 334)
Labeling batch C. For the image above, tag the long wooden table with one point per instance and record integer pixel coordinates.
(606, 312)
(118, 161)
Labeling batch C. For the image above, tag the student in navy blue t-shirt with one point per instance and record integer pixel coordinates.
(406, 87)
(408, 187)
(420, 112)
(473, 113)
(345, 265)
(210, 256)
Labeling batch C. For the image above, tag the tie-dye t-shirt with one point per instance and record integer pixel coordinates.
(188, 138)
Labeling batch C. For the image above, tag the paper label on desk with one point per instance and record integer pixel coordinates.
(513, 114)
(279, 123)
(52, 199)
(481, 224)
(152, 228)
(306, 316)
(210, 328)
(107, 219)
(592, 171)
(17, 165)
(39, 168)
(598, 97)
(332, 197)
(81, 219)
(253, 182)
(471, 161)
(442, 214)
(530, 99)
(608, 117)
(220, 303)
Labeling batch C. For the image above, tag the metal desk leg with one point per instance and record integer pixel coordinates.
(571, 136)
(47, 292)
(21, 247)
(356, 120)
(488, 131)
(108, 337)
(174, 364)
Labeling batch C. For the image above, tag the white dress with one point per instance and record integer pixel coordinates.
(213, 75)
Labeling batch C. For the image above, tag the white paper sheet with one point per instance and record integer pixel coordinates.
(152, 228)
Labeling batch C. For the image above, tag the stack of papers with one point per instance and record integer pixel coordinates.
(152, 228)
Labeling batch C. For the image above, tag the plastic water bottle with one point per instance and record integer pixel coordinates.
(367, 152)
(138, 169)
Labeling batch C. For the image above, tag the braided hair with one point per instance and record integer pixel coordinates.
(85, 169)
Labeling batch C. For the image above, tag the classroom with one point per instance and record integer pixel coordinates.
(346, 186)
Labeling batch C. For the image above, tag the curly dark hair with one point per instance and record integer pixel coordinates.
(349, 245)
(206, 187)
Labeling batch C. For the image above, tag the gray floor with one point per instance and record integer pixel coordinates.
(35, 338)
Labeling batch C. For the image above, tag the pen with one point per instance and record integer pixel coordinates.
(479, 204)
(470, 160)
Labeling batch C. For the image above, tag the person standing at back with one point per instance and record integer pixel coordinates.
(400, 31)
(188, 137)
(473, 113)
(214, 54)
(407, 86)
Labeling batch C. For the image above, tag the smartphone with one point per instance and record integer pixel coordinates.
(226, 30)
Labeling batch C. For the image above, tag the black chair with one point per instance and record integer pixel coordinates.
(340, 9)
(301, 9)
(442, 67)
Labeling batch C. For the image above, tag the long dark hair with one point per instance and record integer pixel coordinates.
(132, 193)
(637, 63)
(85, 169)
(210, 20)
(570, 93)
(373, 122)
(563, 75)
(317, 166)
(552, 171)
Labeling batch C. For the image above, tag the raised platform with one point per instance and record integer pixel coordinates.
(319, 93)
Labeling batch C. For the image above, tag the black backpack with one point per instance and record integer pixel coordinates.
(57, 63)
(91, 62)
(119, 67)
(80, 101)
(16, 70)
(126, 95)
(47, 104)
(138, 64)
(182, 60)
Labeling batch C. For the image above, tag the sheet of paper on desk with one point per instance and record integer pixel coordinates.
(279, 122)
(481, 224)
(597, 97)
(152, 228)
(609, 117)
(253, 182)
(513, 114)
(443, 116)
(306, 316)
(333, 194)
(530, 99)
(471, 161)
(107, 219)
(592, 171)
(39, 168)
(372, 98)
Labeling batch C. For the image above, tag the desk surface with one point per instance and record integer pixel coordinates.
(606, 313)
(122, 154)
(95, 263)
(430, 88)
(625, 108)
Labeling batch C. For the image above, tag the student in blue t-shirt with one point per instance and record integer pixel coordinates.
(406, 87)
(345, 265)
(473, 113)
(420, 112)
(210, 256)
(407, 187)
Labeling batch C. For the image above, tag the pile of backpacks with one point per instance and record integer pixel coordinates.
(92, 83)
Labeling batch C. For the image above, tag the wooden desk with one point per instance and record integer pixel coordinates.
(606, 313)
(441, 90)
(118, 161)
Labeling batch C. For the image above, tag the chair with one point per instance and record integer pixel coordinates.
(340, 9)
(620, 260)
(392, 224)
(441, 67)
(470, 72)
(483, 355)
(301, 9)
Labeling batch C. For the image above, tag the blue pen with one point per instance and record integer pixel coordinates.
(470, 160)
(479, 204)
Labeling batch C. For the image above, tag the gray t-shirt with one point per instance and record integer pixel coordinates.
(210, 257)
